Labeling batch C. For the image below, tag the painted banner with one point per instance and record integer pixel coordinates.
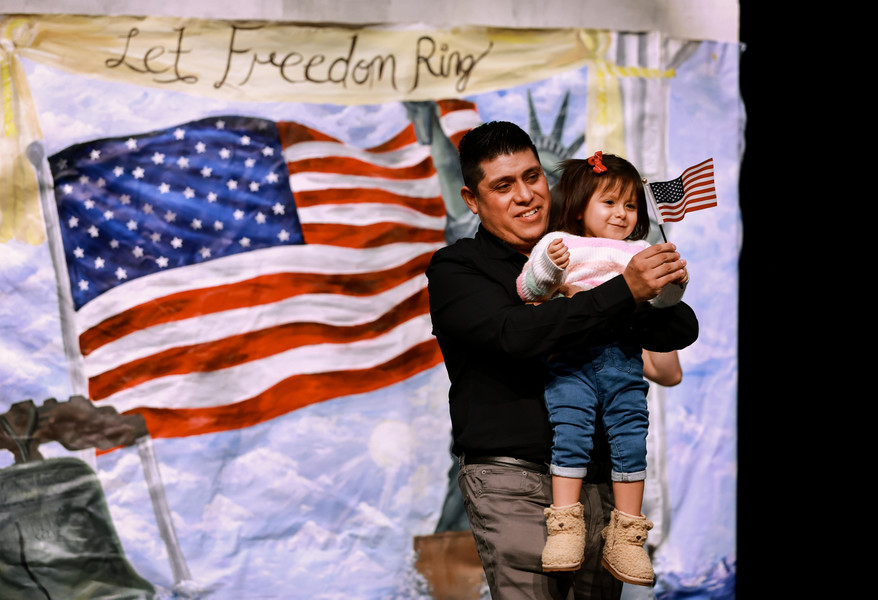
(217, 232)
(265, 61)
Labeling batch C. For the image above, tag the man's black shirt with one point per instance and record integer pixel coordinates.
(493, 343)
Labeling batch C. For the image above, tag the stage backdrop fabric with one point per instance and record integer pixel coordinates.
(235, 222)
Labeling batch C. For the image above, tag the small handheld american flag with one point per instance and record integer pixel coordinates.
(693, 190)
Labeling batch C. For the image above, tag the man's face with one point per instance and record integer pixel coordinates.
(512, 200)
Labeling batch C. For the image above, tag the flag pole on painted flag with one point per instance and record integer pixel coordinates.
(693, 190)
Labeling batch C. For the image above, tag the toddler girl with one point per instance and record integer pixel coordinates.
(602, 223)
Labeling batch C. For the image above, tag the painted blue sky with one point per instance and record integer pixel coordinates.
(326, 500)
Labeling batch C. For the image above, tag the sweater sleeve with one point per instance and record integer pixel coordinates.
(540, 277)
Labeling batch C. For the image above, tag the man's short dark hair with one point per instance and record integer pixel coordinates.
(485, 143)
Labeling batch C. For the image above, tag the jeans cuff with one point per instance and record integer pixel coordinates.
(635, 476)
(573, 472)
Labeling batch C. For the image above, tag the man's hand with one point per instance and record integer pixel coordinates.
(652, 269)
(558, 253)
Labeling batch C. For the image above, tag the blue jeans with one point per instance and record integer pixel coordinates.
(605, 382)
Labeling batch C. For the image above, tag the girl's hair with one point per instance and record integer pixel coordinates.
(579, 182)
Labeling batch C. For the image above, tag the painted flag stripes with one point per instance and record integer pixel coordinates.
(230, 270)
(693, 190)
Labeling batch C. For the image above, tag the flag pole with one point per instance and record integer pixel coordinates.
(162, 511)
(658, 216)
(36, 154)
(655, 211)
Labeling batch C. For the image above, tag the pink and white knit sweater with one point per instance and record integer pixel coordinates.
(593, 261)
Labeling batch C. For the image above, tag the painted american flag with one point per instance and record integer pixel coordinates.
(229, 270)
(693, 190)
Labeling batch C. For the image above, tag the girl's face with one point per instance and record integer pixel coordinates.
(609, 213)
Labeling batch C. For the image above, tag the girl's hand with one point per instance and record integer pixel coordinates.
(558, 253)
(569, 290)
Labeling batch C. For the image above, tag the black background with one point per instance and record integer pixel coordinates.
(779, 505)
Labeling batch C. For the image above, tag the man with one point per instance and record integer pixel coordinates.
(493, 346)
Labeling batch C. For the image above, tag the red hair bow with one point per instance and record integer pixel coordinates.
(595, 161)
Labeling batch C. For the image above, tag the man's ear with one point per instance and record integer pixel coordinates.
(470, 199)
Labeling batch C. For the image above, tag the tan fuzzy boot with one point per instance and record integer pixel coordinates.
(565, 546)
(624, 555)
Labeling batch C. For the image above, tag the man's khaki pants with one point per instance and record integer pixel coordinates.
(505, 508)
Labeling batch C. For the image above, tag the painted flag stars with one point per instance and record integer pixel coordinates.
(156, 191)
